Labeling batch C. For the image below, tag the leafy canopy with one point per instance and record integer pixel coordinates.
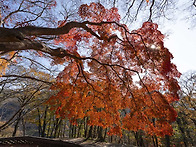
(126, 80)
(117, 78)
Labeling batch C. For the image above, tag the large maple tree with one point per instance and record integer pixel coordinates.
(119, 79)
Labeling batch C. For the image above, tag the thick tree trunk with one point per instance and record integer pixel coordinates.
(17, 123)
(59, 130)
(85, 127)
(155, 141)
(90, 132)
(39, 125)
(23, 126)
(53, 127)
(74, 131)
(167, 140)
(105, 133)
(139, 139)
(94, 135)
(182, 131)
(111, 138)
(64, 129)
(70, 130)
(128, 136)
(100, 134)
(57, 127)
(79, 129)
(49, 127)
(44, 123)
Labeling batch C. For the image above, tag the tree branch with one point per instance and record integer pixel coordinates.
(19, 34)
(150, 17)
(27, 77)
(15, 39)
(194, 3)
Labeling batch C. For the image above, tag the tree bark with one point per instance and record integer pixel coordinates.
(49, 126)
(58, 122)
(16, 125)
(100, 134)
(105, 133)
(39, 121)
(182, 131)
(17, 38)
(85, 127)
(44, 122)
(79, 128)
(89, 133)
(155, 141)
(70, 130)
(139, 139)
(53, 127)
(23, 126)
(167, 140)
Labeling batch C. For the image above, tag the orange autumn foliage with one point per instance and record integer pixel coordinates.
(127, 82)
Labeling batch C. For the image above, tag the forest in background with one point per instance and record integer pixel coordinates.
(36, 119)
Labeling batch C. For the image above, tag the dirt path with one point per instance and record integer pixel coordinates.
(93, 143)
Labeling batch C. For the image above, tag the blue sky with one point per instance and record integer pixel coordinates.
(181, 37)
(181, 42)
